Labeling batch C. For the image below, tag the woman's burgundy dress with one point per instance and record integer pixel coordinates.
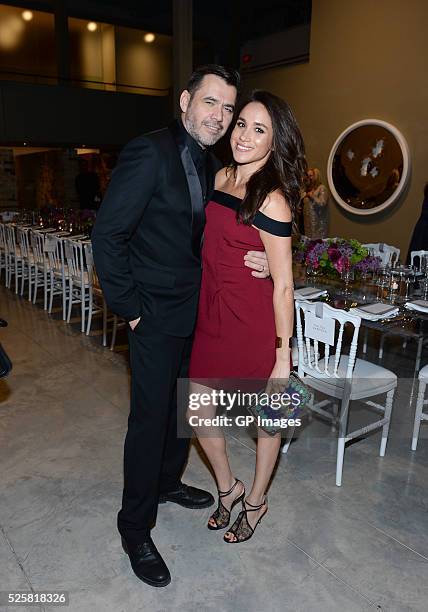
(235, 331)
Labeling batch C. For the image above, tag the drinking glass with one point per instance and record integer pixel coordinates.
(408, 279)
(347, 275)
(310, 275)
(423, 285)
(382, 279)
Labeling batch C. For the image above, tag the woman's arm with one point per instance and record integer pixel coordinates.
(278, 251)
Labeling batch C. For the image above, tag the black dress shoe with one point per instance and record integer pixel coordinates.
(188, 497)
(147, 563)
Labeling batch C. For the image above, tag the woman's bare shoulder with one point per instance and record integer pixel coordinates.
(221, 177)
(276, 207)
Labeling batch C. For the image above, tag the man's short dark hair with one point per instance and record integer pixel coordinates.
(229, 75)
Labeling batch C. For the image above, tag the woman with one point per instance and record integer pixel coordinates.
(241, 319)
(315, 210)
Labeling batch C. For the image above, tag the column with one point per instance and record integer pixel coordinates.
(62, 42)
(182, 48)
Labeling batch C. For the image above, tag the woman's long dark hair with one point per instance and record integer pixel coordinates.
(286, 166)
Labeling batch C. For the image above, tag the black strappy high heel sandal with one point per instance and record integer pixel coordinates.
(241, 528)
(222, 515)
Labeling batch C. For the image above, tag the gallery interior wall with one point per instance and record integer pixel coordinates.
(367, 60)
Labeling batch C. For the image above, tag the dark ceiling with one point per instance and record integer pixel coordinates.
(219, 27)
(256, 18)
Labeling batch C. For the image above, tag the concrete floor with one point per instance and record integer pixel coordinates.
(63, 415)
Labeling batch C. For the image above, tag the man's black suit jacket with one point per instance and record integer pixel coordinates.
(143, 238)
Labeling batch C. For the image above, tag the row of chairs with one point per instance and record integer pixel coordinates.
(60, 265)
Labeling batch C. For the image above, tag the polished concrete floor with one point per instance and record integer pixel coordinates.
(63, 415)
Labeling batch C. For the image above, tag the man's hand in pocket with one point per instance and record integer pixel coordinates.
(133, 324)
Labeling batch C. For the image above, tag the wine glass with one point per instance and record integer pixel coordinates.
(382, 280)
(310, 274)
(408, 279)
(347, 275)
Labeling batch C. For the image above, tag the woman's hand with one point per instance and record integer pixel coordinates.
(278, 379)
(258, 262)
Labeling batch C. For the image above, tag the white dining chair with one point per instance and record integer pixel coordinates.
(96, 300)
(15, 260)
(421, 258)
(57, 272)
(420, 415)
(22, 234)
(77, 278)
(342, 377)
(39, 274)
(388, 254)
(3, 251)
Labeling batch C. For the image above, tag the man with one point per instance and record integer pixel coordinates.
(147, 243)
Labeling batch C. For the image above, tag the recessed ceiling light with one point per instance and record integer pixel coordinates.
(92, 26)
(149, 37)
(27, 15)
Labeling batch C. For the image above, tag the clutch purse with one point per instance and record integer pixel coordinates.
(271, 413)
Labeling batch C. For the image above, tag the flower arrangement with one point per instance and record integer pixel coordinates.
(335, 255)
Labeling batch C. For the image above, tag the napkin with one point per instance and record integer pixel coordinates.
(420, 305)
(375, 312)
(309, 293)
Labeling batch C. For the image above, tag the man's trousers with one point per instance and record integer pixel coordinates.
(154, 455)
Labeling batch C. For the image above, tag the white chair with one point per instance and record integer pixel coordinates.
(95, 293)
(15, 261)
(78, 279)
(340, 376)
(420, 403)
(389, 255)
(57, 272)
(27, 258)
(3, 251)
(422, 260)
(39, 274)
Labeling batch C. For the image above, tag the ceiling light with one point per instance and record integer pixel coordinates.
(149, 37)
(27, 15)
(92, 26)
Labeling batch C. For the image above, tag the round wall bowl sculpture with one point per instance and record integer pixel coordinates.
(368, 166)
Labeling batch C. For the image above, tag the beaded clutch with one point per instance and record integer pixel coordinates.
(272, 412)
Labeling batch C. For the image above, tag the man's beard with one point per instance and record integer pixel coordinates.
(205, 140)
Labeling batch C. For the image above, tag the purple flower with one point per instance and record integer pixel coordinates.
(333, 254)
(345, 250)
(342, 264)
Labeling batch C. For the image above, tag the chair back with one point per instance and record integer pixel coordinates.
(388, 254)
(53, 247)
(422, 260)
(92, 273)
(320, 330)
(37, 246)
(3, 245)
(73, 251)
(11, 245)
(24, 243)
